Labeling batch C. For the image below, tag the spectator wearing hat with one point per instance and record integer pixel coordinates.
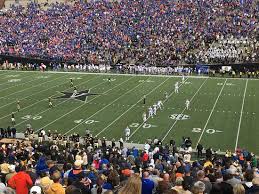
(11, 173)
(55, 187)
(21, 182)
(35, 190)
(4, 167)
(74, 174)
(44, 182)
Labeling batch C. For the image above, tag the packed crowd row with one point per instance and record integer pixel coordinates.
(150, 32)
(94, 167)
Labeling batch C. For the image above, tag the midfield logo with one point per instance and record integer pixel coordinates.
(81, 95)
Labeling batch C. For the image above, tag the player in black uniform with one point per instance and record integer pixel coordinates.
(71, 83)
(13, 119)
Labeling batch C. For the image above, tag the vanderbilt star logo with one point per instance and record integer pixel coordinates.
(81, 95)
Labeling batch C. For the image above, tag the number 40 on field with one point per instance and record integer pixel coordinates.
(209, 131)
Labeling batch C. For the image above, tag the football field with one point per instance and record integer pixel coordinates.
(223, 112)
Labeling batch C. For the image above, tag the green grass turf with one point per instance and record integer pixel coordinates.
(214, 118)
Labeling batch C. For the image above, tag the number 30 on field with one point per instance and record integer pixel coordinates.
(209, 131)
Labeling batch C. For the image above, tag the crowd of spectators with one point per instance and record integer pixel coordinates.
(98, 167)
(150, 32)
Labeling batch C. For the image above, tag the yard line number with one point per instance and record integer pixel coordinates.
(145, 125)
(179, 117)
(209, 131)
(88, 122)
(14, 80)
(27, 117)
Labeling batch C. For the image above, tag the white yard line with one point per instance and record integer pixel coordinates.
(83, 103)
(136, 130)
(16, 82)
(211, 112)
(168, 131)
(38, 114)
(144, 75)
(106, 106)
(27, 89)
(45, 98)
(130, 108)
(241, 115)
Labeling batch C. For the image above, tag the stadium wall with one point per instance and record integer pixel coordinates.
(248, 66)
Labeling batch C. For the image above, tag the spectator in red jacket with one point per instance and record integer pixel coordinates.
(21, 182)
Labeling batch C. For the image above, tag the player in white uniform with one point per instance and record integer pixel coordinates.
(176, 88)
(166, 95)
(144, 117)
(160, 104)
(150, 112)
(183, 79)
(75, 91)
(154, 109)
(187, 104)
(127, 133)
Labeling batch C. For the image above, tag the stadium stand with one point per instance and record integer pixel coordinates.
(49, 165)
(139, 32)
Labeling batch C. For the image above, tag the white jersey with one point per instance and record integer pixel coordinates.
(160, 104)
(154, 109)
(127, 131)
(176, 87)
(183, 79)
(150, 112)
(166, 95)
(187, 104)
(144, 117)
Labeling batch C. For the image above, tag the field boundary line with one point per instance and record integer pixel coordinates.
(14, 83)
(44, 98)
(170, 129)
(83, 103)
(47, 109)
(130, 108)
(211, 112)
(26, 89)
(144, 75)
(106, 106)
(136, 130)
(241, 115)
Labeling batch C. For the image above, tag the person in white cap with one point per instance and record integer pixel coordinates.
(35, 190)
